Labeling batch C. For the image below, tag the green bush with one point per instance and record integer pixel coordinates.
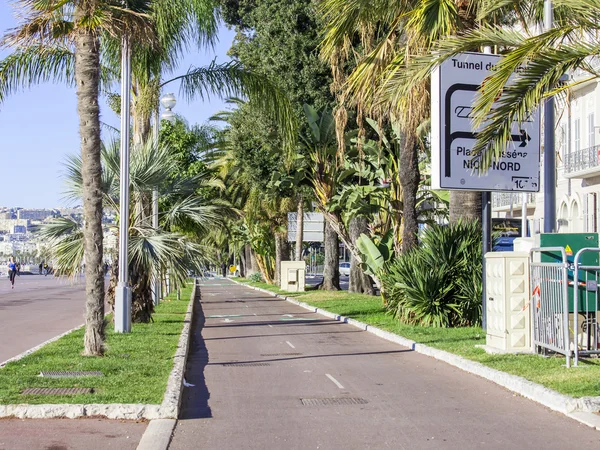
(438, 284)
(256, 277)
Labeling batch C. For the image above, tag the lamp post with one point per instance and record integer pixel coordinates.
(123, 291)
(168, 101)
(549, 153)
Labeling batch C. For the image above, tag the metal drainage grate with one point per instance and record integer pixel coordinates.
(71, 374)
(333, 401)
(57, 391)
(280, 354)
(255, 364)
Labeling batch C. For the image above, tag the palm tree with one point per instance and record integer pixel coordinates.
(542, 60)
(171, 248)
(393, 36)
(65, 40)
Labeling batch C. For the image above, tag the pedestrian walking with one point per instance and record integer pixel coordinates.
(12, 272)
(40, 268)
(45, 269)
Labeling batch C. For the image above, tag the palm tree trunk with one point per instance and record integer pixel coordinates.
(359, 282)
(87, 75)
(331, 269)
(299, 228)
(408, 173)
(465, 205)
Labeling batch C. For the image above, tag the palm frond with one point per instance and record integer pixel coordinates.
(232, 79)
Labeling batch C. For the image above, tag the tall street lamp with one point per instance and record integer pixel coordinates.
(168, 101)
(123, 291)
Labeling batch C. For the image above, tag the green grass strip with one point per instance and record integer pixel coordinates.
(136, 366)
(550, 372)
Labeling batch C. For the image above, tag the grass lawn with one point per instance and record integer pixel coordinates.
(136, 366)
(550, 372)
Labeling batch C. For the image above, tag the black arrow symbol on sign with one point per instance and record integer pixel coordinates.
(525, 138)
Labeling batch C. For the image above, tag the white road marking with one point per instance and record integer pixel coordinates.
(290, 344)
(255, 314)
(227, 320)
(270, 326)
(337, 383)
(288, 315)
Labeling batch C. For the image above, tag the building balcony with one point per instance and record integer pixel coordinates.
(583, 163)
(502, 201)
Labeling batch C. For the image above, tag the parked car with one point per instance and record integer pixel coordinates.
(345, 269)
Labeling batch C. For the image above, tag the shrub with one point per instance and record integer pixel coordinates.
(256, 277)
(439, 283)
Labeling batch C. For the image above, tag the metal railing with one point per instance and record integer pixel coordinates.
(586, 158)
(500, 199)
(585, 278)
(550, 303)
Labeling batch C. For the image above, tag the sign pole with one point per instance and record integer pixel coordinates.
(486, 226)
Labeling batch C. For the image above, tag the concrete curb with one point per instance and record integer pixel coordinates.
(580, 409)
(168, 409)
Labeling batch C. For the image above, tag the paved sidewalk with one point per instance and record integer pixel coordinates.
(70, 434)
(270, 375)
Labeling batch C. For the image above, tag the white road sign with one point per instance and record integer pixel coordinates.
(314, 227)
(454, 87)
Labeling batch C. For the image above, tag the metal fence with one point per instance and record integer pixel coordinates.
(550, 303)
(585, 334)
(582, 159)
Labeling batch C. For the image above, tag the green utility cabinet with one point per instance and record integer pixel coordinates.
(572, 243)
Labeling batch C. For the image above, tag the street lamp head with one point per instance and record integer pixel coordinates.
(168, 101)
(169, 116)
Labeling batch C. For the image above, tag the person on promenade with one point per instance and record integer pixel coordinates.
(12, 272)
(40, 268)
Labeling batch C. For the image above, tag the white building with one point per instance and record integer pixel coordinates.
(577, 167)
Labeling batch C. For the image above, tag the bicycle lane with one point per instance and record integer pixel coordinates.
(269, 374)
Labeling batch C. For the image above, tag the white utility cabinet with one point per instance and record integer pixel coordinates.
(508, 319)
(293, 276)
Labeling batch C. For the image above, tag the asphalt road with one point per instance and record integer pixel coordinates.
(37, 309)
(270, 375)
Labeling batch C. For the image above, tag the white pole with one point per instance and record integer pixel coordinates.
(156, 280)
(123, 291)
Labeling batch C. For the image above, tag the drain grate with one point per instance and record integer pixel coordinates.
(280, 354)
(60, 374)
(255, 364)
(333, 401)
(57, 391)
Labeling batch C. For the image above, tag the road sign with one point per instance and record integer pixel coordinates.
(314, 226)
(232, 269)
(454, 88)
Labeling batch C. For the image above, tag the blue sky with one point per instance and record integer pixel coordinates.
(39, 127)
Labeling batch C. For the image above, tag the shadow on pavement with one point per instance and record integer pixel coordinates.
(195, 398)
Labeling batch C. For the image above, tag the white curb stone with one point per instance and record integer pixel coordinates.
(157, 435)
(580, 409)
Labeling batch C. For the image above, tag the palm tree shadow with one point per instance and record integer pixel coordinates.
(195, 398)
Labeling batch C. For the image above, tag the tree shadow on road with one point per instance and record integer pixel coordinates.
(195, 398)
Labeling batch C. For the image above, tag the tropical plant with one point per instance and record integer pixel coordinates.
(439, 283)
(533, 67)
(151, 250)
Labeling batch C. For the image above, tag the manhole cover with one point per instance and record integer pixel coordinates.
(280, 354)
(333, 401)
(71, 374)
(57, 391)
(256, 364)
